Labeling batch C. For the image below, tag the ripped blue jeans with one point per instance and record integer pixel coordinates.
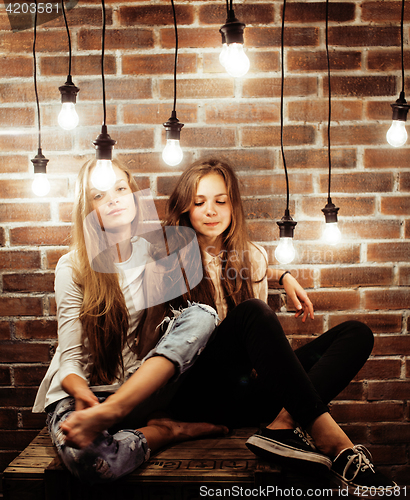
(116, 453)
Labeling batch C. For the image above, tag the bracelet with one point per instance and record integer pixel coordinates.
(281, 278)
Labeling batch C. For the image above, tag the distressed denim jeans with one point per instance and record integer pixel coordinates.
(117, 453)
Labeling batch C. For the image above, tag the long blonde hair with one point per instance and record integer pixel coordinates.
(103, 315)
(236, 276)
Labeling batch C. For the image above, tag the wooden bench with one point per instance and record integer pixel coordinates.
(187, 471)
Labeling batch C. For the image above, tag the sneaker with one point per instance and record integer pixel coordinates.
(353, 468)
(287, 447)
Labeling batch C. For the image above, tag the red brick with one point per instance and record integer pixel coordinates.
(246, 160)
(53, 256)
(158, 113)
(386, 158)
(22, 41)
(263, 208)
(356, 276)
(407, 230)
(5, 378)
(17, 117)
(249, 14)
(16, 440)
(82, 17)
(383, 12)
(81, 65)
(21, 306)
(4, 330)
(25, 396)
(404, 276)
(24, 212)
(2, 237)
(362, 86)
(332, 300)
(149, 162)
(404, 178)
(65, 212)
(271, 87)
(318, 158)
(33, 282)
(47, 235)
(271, 37)
(130, 38)
(367, 412)
(69, 164)
(274, 184)
(154, 64)
(379, 110)
(270, 136)
(32, 420)
(395, 205)
(378, 323)
(14, 163)
(127, 138)
(388, 252)
(352, 206)
(208, 137)
(25, 353)
(364, 36)
(388, 390)
(320, 254)
(36, 329)
(361, 229)
(155, 15)
(309, 230)
(300, 12)
(197, 88)
(262, 231)
(392, 345)
(242, 113)
(358, 183)
(29, 375)
(52, 306)
(294, 326)
(380, 369)
(8, 419)
(386, 60)
(263, 61)
(191, 38)
(387, 299)
(317, 61)
(316, 110)
(356, 134)
(20, 259)
(116, 88)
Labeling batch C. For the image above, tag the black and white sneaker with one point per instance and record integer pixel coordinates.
(353, 468)
(287, 447)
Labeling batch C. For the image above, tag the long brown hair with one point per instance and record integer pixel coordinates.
(103, 315)
(236, 276)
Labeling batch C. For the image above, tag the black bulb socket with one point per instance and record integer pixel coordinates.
(68, 91)
(232, 30)
(400, 108)
(104, 145)
(173, 127)
(40, 163)
(286, 226)
(330, 212)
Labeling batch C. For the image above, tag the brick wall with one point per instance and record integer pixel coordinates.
(366, 277)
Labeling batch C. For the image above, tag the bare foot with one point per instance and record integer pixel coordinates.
(183, 431)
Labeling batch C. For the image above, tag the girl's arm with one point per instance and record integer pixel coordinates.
(78, 388)
(296, 293)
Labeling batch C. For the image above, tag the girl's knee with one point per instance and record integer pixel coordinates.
(362, 333)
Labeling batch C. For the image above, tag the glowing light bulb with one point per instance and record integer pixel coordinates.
(68, 117)
(331, 234)
(223, 56)
(285, 251)
(397, 134)
(103, 176)
(172, 154)
(41, 185)
(237, 63)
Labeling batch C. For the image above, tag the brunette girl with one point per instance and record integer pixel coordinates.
(248, 372)
(100, 296)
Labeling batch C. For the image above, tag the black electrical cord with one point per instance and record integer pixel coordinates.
(68, 36)
(281, 107)
(35, 79)
(102, 62)
(176, 55)
(402, 54)
(329, 102)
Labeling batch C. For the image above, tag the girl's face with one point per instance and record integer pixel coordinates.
(116, 207)
(211, 212)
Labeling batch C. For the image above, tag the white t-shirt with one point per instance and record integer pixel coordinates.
(72, 354)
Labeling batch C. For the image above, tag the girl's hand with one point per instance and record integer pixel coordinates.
(299, 297)
(85, 399)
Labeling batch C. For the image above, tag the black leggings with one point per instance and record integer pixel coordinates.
(249, 372)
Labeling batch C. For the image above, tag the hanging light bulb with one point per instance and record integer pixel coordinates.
(331, 234)
(397, 135)
(285, 251)
(172, 153)
(103, 176)
(40, 185)
(68, 117)
(224, 52)
(236, 62)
